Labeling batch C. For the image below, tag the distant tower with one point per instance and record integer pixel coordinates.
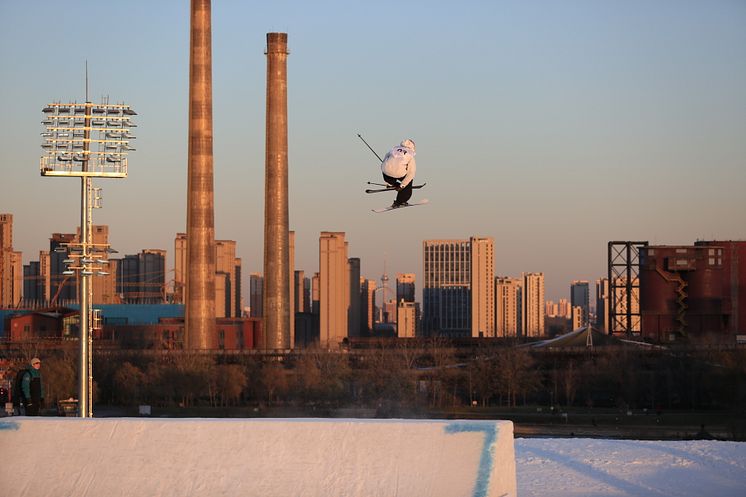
(276, 243)
(532, 301)
(200, 281)
(333, 288)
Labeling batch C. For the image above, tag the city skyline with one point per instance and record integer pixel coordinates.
(547, 107)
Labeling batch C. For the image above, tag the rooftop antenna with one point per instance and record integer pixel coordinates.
(86, 80)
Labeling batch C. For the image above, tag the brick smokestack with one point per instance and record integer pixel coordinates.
(276, 250)
(200, 273)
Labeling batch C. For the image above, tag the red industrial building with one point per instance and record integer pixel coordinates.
(689, 292)
(58, 324)
(168, 334)
(54, 323)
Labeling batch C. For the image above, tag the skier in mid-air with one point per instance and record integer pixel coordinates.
(398, 168)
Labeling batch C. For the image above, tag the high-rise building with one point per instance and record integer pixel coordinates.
(180, 254)
(508, 298)
(577, 317)
(354, 314)
(63, 287)
(33, 284)
(315, 294)
(405, 288)
(602, 305)
(141, 278)
(334, 291)
(533, 304)
(368, 305)
(256, 297)
(564, 309)
(580, 296)
(406, 319)
(458, 287)
(228, 277)
(291, 286)
(11, 265)
(300, 298)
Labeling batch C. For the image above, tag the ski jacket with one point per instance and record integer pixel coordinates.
(32, 388)
(399, 163)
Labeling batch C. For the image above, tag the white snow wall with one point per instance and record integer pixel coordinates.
(256, 457)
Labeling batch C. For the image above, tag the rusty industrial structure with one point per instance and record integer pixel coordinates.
(688, 292)
(200, 278)
(276, 238)
(624, 287)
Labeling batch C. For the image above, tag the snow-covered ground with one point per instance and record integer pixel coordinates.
(573, 467)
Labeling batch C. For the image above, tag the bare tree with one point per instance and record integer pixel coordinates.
(128, 384)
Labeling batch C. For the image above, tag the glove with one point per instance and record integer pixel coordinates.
(397, 188)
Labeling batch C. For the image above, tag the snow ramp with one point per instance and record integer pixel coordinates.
(89, 457)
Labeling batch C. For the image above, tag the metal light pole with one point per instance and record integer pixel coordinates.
(88, 141)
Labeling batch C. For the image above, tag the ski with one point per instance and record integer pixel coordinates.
(390, 189)
(410, 204)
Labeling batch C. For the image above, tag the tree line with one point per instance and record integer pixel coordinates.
(398, 378)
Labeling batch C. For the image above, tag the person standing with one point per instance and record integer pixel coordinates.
(398, 168)
(4, 398)
(32, 391)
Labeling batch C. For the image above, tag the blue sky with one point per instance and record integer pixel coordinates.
(552, 127)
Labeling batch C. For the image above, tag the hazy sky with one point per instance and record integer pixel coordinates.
(551, 126)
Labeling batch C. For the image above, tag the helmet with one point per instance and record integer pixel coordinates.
(407, 143)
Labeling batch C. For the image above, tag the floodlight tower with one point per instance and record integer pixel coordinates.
(87, 141)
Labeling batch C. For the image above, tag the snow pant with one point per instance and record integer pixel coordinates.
(405, 193)
(31, 407)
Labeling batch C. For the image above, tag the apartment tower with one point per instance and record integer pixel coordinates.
(507, 307)
(11, 265)
(533, 304)
(333, 288)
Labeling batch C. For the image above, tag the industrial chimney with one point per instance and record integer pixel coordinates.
(276, 251)
(200, 273)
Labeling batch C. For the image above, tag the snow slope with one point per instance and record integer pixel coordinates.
(571, 467)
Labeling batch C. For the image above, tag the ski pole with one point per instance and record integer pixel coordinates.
(371, 148)
(378, 184)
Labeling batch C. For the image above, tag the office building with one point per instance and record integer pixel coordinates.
(141, 278)
(458, 287)
(533, 304)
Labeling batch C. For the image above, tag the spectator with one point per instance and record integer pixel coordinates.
(4, 396)
(32, 391)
